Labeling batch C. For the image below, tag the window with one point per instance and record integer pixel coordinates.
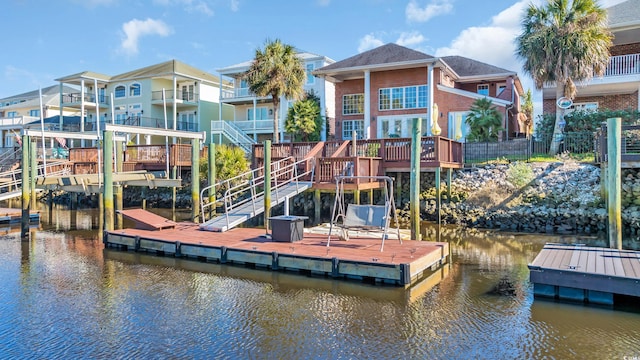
(134, 90)
(34, 113)
(483, 89)
(500, 88)
(400, 126)
(348, 126)
(120, 92)
(585, 106)
(353, 104)
(310, 78)
(410, 97)
(12, 114)
(261, 113)
(458, 129)
(187, 93)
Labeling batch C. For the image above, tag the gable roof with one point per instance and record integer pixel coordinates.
(166, 68)
(244, 66)
(382, 55)
(465, 67)
(625, 13)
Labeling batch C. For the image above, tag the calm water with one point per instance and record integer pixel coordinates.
(64, 296)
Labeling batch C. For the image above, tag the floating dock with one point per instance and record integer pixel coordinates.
(14, 216)
(359, 258)
(585, 274)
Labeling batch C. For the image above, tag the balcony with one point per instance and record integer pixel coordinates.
(257, 126)
(76, 99)
(182, 97)
(623, 65)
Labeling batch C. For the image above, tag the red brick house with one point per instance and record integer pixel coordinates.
(619, 88)
(379, 92)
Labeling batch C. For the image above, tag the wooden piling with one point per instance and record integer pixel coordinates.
(317, 201)
(109, 215)
(195, 179)
(118, 188)
(212, 178)
(33, 163)
(414, 182)
(267, 184)
(26, 192)
(438, 196)
(614, 198)
(449, 176)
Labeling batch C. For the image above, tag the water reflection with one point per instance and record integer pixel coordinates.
(65, 296)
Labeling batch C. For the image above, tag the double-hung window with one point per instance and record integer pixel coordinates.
(120, 91)
(399, 98)
(353, 104)
(348, 126)
(134, 90)
(483, 89)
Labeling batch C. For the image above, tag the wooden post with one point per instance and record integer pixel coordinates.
(449, 176)
(414, 183)
(614, 136)
(119, 189)
(438, 195)
(26, 193)
(108, 181)
(212, 178)
(33, 163)
(356, 196)
(317, 201)
(195, 179)
(398, 189)
(267, 184)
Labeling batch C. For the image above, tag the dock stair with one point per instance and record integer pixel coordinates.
(244, 195)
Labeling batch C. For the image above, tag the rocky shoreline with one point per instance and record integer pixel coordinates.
(548, 198)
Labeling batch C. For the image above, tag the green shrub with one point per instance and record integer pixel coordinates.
(519, 174)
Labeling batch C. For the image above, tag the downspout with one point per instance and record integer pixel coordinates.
(367, 104)
(430, 98)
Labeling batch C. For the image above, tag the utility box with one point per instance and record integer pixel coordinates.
(287, 228)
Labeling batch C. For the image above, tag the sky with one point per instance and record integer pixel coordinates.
(45, 40)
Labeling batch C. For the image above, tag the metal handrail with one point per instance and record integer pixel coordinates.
(235, 134)
(252, 181)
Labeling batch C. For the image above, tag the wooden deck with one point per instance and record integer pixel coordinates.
(361, 259)
(11, 215)
(582, 273)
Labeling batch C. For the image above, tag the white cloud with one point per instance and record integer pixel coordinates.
(191, 6)
(135, 29)
(323, 2)
(369, 42)
(410, 39)
(494, 43)
(415, 13)
(235, 5)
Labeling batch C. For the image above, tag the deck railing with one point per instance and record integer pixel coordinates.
(370, 157)
(623, 65)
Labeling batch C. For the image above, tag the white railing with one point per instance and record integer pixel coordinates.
(17, 120)
(236, 93)
(233, 133)
(259, 126)
(623, 65)
(249, 187)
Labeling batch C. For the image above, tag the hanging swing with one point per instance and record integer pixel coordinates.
(364, 217)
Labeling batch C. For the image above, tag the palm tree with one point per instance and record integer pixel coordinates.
(304, 121)
(527, 112)
(276, 71)
(485, 121)
(564, 42)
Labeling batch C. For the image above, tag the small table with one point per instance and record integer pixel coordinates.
(287, 228)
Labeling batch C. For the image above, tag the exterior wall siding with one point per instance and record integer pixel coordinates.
(625, 49)
(610, 102)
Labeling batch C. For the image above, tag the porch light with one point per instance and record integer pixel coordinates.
(435, 128)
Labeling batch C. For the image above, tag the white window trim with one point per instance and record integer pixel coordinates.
(406, 123)
(503, 85)
(140, 87)
(483, 86)
(404, 96)
(349, 135)
(343, 97)
(115, 96)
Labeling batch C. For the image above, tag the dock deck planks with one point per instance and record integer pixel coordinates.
(401, 264)
(588, 269)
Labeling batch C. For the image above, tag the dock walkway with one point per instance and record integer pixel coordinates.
(582, 273)
(361, 259)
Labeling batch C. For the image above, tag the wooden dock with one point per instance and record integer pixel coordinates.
(587, 274)
(359, 258)
(12, 216)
